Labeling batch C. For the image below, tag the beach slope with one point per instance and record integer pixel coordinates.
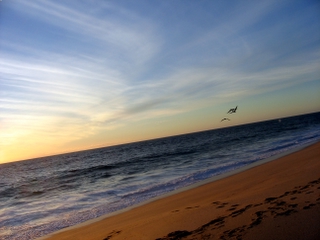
(276, 200)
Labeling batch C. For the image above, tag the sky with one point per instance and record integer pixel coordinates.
(83, 74)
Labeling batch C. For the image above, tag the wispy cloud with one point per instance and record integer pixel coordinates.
(127, 38)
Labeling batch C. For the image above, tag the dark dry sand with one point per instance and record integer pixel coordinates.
(277, 200)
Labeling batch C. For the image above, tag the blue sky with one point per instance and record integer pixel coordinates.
(82, 74)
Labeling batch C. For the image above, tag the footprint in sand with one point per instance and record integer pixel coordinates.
(280, 203)
(260, 215)
(240, 211)
(293, 205)
(114, 232)
(220, 204)
(285, 213)
(309, 206)
(192, 207)
(270, 199)
(305, 187)
(232, 208)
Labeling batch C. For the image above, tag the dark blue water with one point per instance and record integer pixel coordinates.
(43, 195)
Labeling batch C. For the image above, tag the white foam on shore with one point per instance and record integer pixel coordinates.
(192, 186)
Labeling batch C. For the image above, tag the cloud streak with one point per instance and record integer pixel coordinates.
(129, 40)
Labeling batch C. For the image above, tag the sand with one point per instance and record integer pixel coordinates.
(279, 199)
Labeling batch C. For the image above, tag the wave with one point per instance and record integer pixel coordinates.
(183, 181)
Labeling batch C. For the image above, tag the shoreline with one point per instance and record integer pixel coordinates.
(136, 212)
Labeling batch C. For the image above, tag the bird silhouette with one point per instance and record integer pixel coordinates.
(233, 110)
(224, 119)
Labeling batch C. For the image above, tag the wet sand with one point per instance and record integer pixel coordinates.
(279, 199)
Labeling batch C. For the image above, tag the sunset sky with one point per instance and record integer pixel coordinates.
(82, 74)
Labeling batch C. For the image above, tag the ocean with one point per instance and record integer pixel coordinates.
(43, 195)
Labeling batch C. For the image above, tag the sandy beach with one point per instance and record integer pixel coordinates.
(279, 199)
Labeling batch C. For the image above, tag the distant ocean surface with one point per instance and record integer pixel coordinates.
(43, 195)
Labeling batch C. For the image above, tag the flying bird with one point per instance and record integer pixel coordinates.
(233, 110)
(224, 119)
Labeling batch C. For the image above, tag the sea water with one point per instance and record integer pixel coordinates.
(43, 195)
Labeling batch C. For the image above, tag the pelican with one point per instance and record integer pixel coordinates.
(224, 119)
(232, 110)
